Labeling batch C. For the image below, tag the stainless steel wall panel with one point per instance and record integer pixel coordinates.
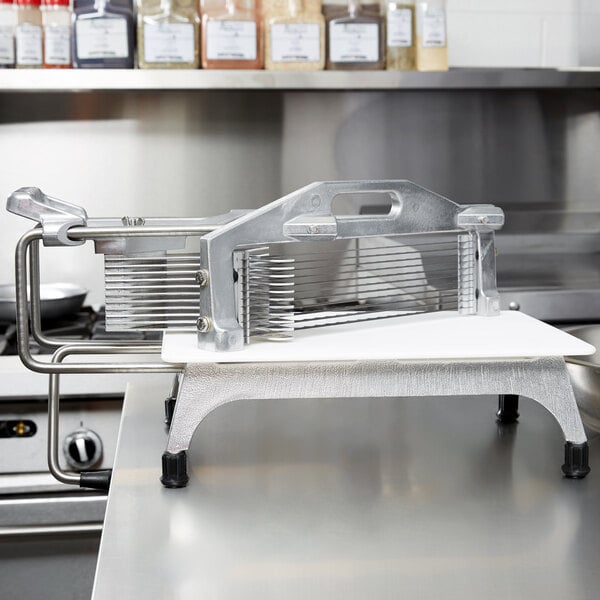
(532, 152)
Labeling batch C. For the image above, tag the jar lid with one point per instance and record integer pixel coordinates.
(55, 2)
(6, 1)
(28, 2)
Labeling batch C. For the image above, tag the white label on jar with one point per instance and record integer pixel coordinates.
(434, 27)
(169, 43)
(353, 42)
(29, 45)
(231, 40)
(399, 28)
(7, 45)
(295, 42)
(57, 45)
(101, 38)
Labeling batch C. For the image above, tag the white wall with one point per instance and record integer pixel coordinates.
(521, 33)
(524, 33)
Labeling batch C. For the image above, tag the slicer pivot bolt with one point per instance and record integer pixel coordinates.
(133, 221)
(203, 324)
(202, 277)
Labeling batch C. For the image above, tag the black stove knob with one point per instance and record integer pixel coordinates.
(82, 448)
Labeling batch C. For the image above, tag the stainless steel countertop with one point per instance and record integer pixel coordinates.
(377, 498)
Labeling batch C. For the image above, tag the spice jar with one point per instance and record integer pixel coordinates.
(8, 23)
(28, 34)
(273, 8)
(432, 45)
(295, 40)
(168, 34)
(400, 48)
(231, 35)
(355, 37)
(56, 19)
(103, 36)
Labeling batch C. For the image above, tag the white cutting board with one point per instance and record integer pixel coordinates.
(443, 335)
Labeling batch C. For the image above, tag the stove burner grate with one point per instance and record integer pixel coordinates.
(86, 324)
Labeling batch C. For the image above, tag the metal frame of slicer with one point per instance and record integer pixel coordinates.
(234, 286)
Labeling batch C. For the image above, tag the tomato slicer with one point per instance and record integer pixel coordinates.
(394, 296)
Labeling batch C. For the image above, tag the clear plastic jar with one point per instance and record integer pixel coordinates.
(56, 18)
(400, 35)
(8, 24)
(168, 34)
(231, 35)
(295, 40)
(355, 37)
(432, 42)
(28, 35)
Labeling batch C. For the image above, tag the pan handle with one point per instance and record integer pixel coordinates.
(54, 215)
(51, 530)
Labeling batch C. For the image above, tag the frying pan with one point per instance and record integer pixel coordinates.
(585, 376)
(57, 300)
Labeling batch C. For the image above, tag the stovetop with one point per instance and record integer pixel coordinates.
(87, 324)
(17, 382)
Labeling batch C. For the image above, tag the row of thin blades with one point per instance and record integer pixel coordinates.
(146, 293)
(280, 293)
(267, 295)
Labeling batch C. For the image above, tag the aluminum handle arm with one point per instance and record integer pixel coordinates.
(54, 215)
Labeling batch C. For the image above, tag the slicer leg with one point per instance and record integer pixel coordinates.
(174, 469)
(508, 408)
(576, 460)
(170, 401)
(169, 410)
(183, 411)
(552, 389)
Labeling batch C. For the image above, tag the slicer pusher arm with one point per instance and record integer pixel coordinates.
(55, 216)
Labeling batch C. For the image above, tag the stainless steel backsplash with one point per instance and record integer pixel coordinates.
(534, 153)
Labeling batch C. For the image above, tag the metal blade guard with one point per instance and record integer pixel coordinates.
(293, 264)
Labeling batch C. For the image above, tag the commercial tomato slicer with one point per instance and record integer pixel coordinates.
(396, 297)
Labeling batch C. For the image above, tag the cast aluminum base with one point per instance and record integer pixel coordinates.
(205, 387)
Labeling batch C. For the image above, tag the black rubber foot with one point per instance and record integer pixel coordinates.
(169, 410)
(96, 480)
(508, 408)
(576, 460)
(174, 468)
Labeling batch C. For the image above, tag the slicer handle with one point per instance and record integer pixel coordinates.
(413, 209)
(395, 190)
(54, 215)
(412, 202)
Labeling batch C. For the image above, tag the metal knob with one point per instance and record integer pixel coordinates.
(82, 448)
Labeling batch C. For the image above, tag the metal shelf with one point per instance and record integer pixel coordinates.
(37, 80)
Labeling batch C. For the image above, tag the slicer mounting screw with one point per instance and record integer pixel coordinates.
(202, 277)
(133, 221)
(203, 324)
